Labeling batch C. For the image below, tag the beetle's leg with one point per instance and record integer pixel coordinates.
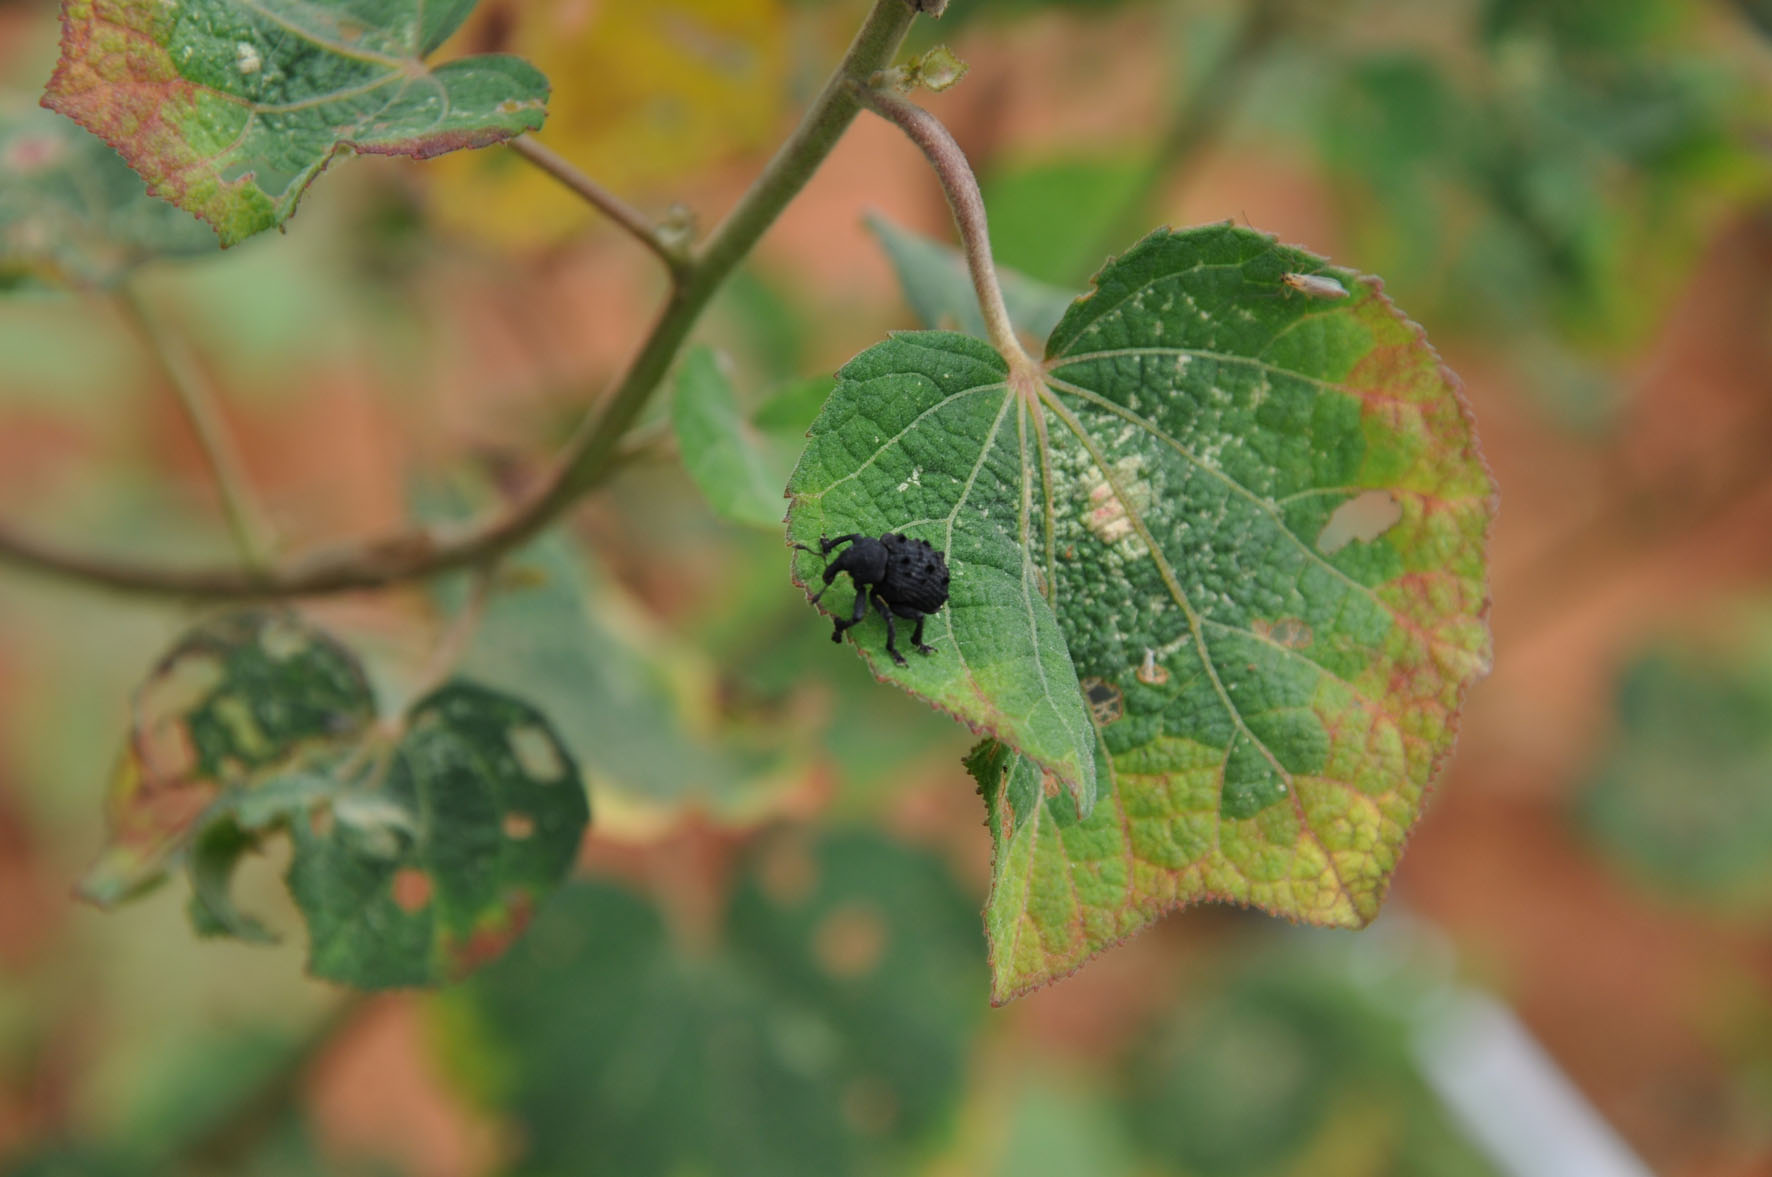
(917, 636)
(861, 610)
(891, 634)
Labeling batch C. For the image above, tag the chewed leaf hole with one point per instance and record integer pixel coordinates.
(519, 826)
(850, 942)
(1289, 632)
(1106, 702)
(412, 889)
(536, 754)
(1364, 517)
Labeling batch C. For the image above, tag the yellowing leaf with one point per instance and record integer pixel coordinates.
(643, 94)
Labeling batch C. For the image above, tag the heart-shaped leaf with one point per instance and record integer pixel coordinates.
(923, 436)
(1250, 495)
(230, 108)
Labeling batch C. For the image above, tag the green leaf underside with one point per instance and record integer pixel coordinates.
(1260, 520)
(435, 872)
(825, 1027)
(939, 289)
(729, 459)
(71, 212)
(230, 108)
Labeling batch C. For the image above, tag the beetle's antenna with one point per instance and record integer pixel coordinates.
(826, 557)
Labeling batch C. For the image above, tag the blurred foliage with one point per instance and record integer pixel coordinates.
(1288, 1068)
(821, 1021)
(71, 211)
(1681, 797)
(938, 286)
(1539, 175)
(643, 95)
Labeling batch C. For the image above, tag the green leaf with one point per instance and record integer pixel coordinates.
(433, 873)
(923, 436)
(243, 697)
(740, 469)
(1681, 798)
(230, 108)
(938, 285)
(215, 855)
(1048, 216)
(821, 1024)
(1259, 518)
(419, 852)
(72, 213)
(623, 696)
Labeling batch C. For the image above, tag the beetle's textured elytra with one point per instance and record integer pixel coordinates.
(905, 577)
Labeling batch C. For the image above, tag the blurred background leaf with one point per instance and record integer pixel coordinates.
(1681, 797)
(72, 213)
(819, 1025)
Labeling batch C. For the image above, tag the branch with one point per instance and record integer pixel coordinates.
(604, 201)
(961, 188)
(246, 517)
(596, 447)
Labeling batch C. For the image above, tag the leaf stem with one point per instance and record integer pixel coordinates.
(967, 203)
(459, 633)
(591, 454)
(604, 201)
(252, 530)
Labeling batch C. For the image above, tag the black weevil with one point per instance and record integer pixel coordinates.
(904, 576)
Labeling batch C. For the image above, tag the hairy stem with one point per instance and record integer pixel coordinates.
(246, 518)
(593, 450)
(603, 200)
(961, 188)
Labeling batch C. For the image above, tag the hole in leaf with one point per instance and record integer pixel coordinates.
(518, 825)
(1287, 631)
(282, 639)
(850, 941)
(536, 754)
(1364, 517)
(1106, 702)
(181, 687)
(167, 752)
(412, 889)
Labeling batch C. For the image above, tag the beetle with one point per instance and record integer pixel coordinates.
(905, 577)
